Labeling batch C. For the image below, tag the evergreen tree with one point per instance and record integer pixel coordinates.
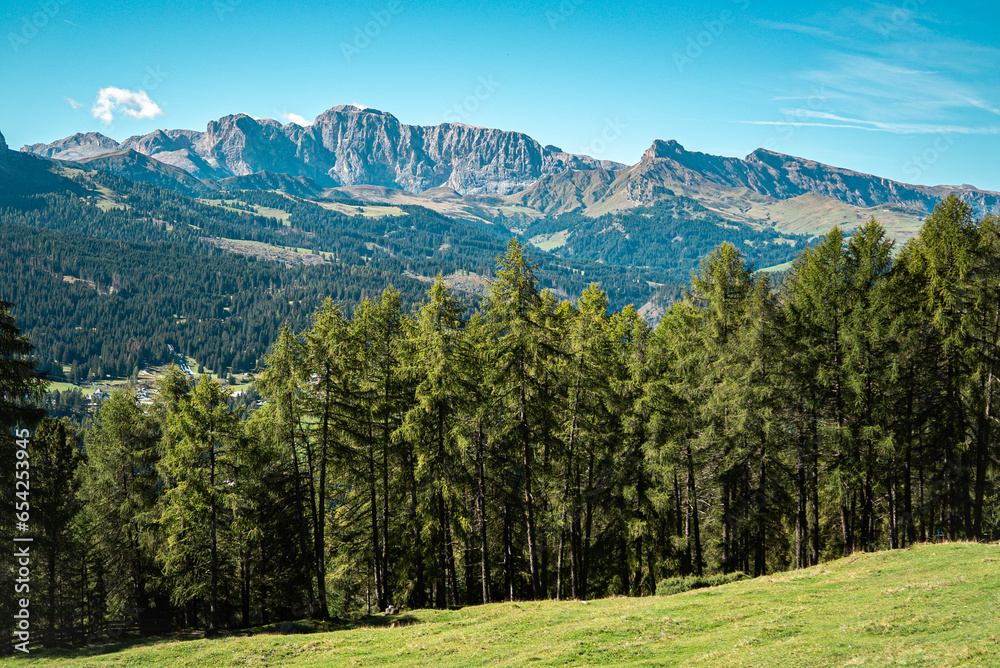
(199, 466)
(120, 489)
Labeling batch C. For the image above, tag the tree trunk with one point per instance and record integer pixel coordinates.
(508, 553)
(481, 508)
(760, 551)
(419, 599)
(801, 525)
(529, 504)
(693, 512)
(320, 530)
(814, 470)
(450, 559)
(215, 552)
(299, 510)
(377, 573)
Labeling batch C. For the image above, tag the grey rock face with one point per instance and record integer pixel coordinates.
(77, 147)
(347, 146)
(783, 176)
(3, 143)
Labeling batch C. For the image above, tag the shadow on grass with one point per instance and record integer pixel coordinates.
(113, 647)
(381, 622)
(304, 626)
(329, 626)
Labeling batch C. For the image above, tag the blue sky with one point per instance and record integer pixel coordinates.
(909, 90)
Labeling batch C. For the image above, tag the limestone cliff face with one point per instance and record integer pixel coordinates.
(349, 146)
(77, 147)
(346, 146)
(667, 170)
(775, 175)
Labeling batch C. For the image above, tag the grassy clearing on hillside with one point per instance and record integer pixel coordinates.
(931, 605)
(368, 210)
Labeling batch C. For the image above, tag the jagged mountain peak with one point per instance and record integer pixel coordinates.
(353, 108)
(669, 148)
(348, 145)
(767, 157)
(3, 143)
(78, 146)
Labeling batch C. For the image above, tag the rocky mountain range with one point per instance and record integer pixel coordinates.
(740, 189)
(344, 146)
(485, 174)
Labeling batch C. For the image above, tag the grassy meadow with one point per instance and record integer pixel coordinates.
(930, 605)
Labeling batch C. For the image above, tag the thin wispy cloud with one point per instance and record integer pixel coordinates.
(982, 105)
(73, 103)
(134, 104)
(897, 91)
(890, 68)
(878, 126)
(791, 98)
(811, 30)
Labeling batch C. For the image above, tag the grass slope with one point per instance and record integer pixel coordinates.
(931, 605)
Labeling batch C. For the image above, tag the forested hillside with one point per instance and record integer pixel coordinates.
(106, 273)
(540, 448)
(671, 237)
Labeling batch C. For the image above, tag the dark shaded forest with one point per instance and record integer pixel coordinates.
(536, 447)
(669, 237)
(106, 276)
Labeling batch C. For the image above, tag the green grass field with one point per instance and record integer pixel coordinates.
(931, 605)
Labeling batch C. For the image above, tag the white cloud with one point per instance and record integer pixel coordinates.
(289, 117)
(73, 103)
(835, 121)
(134, 104)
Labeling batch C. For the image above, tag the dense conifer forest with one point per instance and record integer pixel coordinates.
(441, 455)
(669, 236)
(106, 273)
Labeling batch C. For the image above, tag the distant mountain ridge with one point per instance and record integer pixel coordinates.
(345, 146)
(501, 175)
(667, 170)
